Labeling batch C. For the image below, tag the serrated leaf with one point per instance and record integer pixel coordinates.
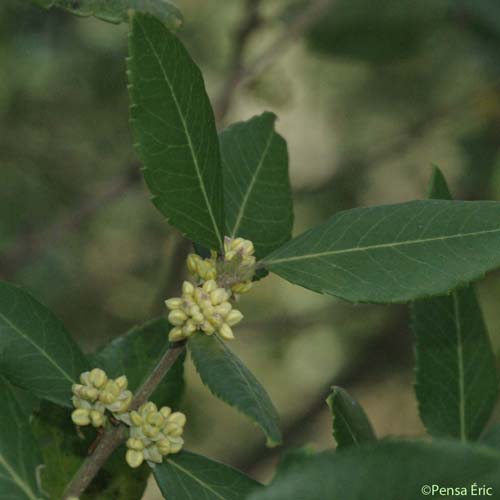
(174, 128)
(456, 379)
(187, 476)
(136, 353)
(230, 380)
(118, 11)
(351, 426)
(257, 194)
(394, 253)
(64, 451)
(388, 470)
(36, 351)
(19, 454)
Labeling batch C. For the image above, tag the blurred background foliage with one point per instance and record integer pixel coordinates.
(368, 98)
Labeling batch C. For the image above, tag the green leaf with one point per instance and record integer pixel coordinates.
(186, 476)
(492, 437)
(36, 351)
(64, 451)
(175, 132)
(293, 459)
(387, 470)
(257, 192)
(19, 454)
(118, 11)
(456, 379)
(136, 353)
(351, 426)
(394, 253)
(230, 380)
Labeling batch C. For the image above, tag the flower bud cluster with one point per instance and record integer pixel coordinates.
(206, 308)
(153, 434)
(203, 269)
(97, 393)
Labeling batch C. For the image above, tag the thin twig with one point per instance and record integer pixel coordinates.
(250, 22)
(244, 75)
(114, 436)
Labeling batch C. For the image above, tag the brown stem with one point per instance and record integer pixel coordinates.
(114, 436)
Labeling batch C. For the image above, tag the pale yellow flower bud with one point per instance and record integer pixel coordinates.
(174, 303)
(155, 419)
(209, 286)
(225, 332)
(176, 334)
(219, 296)
(97, 418)
(176, 444)
(135, 444)
(80, 417)
(163, 446)
(241, 288)
(134, 458)
(150, 431)
(165, 411)
(122, 382)
(192, 263)
(177, 317)
(98, 377)
(187, 288)
(172, 429)
(136, 418)
(234, 317)
(178, 418)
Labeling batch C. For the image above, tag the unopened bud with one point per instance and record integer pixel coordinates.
(98, 377)
(234, 317)
(225, 332)
(80, 417)
(134, 458)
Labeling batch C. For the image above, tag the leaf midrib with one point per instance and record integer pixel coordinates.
(188, 135)
(199, 481)
(461, 374)
(38, 347)
(17, 480)
(378, 246)
(251, 185)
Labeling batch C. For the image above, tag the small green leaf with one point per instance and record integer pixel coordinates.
(136, 353)
(394, 253)
(388, 470)
(64, 451)
(351, 426)
(230, 380)
(36, 351)
(456, 379)
(186, 476)
(175, 131)
(257, 193)
(118, 11)
(19, 454)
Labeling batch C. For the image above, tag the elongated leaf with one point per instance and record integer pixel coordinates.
(19, 454)
(137, 353)
(388, 470)
(186, 476)
(351, 426)
(175, 132)
(257, 192)
(456, 379)
(118, 11)
(394, 253)
(36, 352)
(230, 380)
(64, 451)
